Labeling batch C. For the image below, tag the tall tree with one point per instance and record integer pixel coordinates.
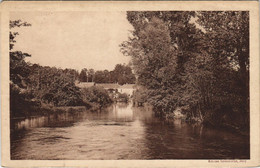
(91, 75)
(229, 35)
(154, 59)
(83, 77)
(19, 69)
(123, 74)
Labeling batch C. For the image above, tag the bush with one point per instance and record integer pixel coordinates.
(21, 103)
(123, 97)
(96, 96)
(140, 95)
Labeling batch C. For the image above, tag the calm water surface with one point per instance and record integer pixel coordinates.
(121, 132)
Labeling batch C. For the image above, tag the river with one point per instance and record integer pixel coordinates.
(121, 132)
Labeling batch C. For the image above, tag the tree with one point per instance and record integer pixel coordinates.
(83, 77)
(72, 74)
(96, 96)
(54, 86)
(91, 75)
(18, 67)
(102, 76)
(154, 59)
(123, 74)
(229, 35)
(19, 70)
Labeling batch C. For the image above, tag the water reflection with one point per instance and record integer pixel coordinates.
(122, 112)
(121, 132)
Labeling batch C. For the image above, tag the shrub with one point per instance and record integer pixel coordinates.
(123, 97)
(96, 96)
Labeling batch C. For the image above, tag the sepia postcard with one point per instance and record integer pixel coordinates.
(130, 84)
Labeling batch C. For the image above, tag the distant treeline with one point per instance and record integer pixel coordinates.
(196, 61)
(121, 74)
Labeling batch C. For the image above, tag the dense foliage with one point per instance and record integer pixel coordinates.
(97, 97)
(54, 86)
(202, 68)
(123, 97)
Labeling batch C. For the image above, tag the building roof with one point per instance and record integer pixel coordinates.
(105, 85)
(85, 84)
(108, 85)
(127, 86)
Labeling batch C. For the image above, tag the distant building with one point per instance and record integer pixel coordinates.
(85, 84)
(111, 87)
(127, 88)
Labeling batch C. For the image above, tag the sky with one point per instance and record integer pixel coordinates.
(73, 39)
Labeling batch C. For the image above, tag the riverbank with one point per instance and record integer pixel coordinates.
(48, 110)
(228, 127)
(45, 109)
(224, 124)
